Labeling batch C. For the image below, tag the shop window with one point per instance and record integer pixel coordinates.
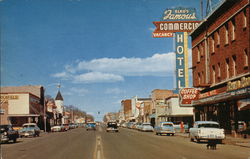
(227, 68)
(226, 34)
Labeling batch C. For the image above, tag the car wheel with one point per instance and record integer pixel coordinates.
(191, 139)
(14, 140)
(172, 134)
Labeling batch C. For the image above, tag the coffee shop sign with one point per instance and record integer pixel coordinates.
(180, 14)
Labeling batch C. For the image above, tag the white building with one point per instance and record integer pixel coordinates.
(175, 113)
(59, 107)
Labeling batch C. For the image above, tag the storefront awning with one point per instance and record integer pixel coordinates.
(23, 115)
(232, 95)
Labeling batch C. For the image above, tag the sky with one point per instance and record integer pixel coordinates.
(100, 51)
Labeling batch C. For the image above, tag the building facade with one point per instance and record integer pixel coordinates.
(21, 105)
(221, 65)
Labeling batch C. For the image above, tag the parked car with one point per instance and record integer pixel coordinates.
(91, 126)
(206, 130)
(8, 133)
(66, 127)
(29, 129)
(241, 126)
(112, 126)
(165, 128)
(146, 127)
(57, 128)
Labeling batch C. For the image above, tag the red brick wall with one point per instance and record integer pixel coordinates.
(223, 51)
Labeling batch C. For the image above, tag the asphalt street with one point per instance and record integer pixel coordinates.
(126, 144)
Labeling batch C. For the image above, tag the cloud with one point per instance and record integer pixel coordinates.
(97, 77)
(115, 69)
(114, 91)
(76, 91)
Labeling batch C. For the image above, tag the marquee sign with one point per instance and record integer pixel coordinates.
(178, 26)
(176, 22)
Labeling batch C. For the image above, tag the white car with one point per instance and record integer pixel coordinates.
(57, 128)
(146, 127)
(206, 130)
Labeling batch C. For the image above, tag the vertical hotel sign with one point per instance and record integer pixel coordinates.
(178, 21)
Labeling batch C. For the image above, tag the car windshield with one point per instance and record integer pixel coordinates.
(208, 125)
(168, 125)
(112, 125)
(29, 126)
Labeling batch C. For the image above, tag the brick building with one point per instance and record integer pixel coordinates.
(221, 65)
(127, 109)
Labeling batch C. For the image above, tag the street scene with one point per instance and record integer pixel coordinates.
(123, 79)
(127, 143)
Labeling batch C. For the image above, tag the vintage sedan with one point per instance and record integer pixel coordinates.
(8, 133)
(91, 126)
(57, 128)
(165, 128)
(146, 127)
(29, 129)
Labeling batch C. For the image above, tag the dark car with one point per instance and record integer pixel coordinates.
(8, 133)
(91, 126)
(29, 129)
(112, 126)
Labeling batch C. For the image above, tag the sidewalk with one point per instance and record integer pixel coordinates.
(230, 140)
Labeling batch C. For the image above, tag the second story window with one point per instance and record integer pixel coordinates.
(218, 70)
(226, 34)
(233, 29)
(213, 74)
(246, 62)
(198, 55)
(244, 19)
(227, 68)
(217, 38)
(234, 65)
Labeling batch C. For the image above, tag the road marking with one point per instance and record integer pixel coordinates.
(98, 153)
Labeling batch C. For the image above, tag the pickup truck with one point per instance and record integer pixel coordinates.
(206, 130)
(165, 128)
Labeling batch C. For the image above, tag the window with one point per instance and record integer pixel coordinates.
(227, 68)
(199, 78)
(198, 55)
(202, 77)
(218, 70)
(212, 43)
(201, 50)
(217, 38)
(226, 34)
(244, 19)
(234, 65)
(246, 58)
(213, 74)
(233, 30)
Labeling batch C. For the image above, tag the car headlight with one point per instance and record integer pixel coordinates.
(5, 133)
